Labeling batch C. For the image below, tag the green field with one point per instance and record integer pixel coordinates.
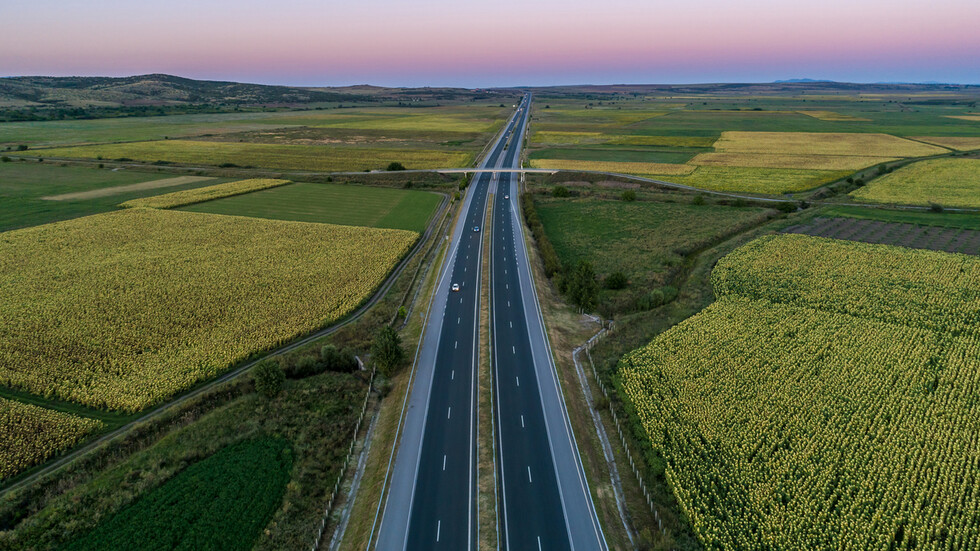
(226, 472)
(949, 182)
(222, 502)
(333, 204)
(647, 155)
(23, 184)
(321, 158)
(645, 240)
(765, 181)
(941, 219)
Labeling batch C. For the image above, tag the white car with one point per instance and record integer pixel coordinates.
(506, 196)
(455, 286)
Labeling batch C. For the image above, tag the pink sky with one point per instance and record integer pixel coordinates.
(466, 43)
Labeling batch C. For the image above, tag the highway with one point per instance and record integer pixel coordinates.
(432, 501)
(543, 492)
(543, 496)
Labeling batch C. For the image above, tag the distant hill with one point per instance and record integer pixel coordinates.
(152, 90)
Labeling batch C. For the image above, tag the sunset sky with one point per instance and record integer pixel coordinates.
(504, 43)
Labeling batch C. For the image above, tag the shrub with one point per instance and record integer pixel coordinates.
(786, 206)
(306, 366)
(21, 147)
(698, 200)
(616, 280)
(4, 159)
(670, 293)
(560, 191)
(402, 312)
(935, 207)
(395, 165)
(629, 196)
(268, 377)
(386, 350)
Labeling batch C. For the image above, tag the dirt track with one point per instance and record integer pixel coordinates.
(106, 192)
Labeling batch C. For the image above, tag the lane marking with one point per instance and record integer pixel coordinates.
(518, 380)
(444, 462)
(458, 320)
(457, 344)
(450, 412)
(452, 376)
(438, 530)
(513, 349)
(539, 543)
(522, 421)
(529, 481)
(511, 325)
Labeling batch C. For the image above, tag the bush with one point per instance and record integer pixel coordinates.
(859, 182)
(698, 200)
(407, 185)
(786, 206)
(343, 361)
(402, 312)
(581, 287)
(305, 366)
(616, 280)
(386, 350)
(4, 159)
(935, 207)
(21, 147)
(560, 191)
(268, 377)
(395, 165)
(670, 293)
(629, 196)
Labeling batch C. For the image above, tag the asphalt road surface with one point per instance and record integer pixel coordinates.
(432, 502)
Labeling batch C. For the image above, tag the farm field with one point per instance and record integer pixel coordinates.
(463, 121)
(785, 411)
(30, 434)
(951, 240)
(943, 219)
(646, 240)
(332, 204)
(282, 157)
(223, 501)
(35, 193)
(948, 182)
(122, 310)
(234, 453)
(208, 193)
(739, 137)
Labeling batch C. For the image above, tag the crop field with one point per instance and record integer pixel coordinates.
(945, 219)
(786, 410)
(122, 310)
(766, 181)
(613, 166)
(776, 160)
(224, 503)
(948, 182)
(202, 194)
(30, 434)
(284, 157)
(647, 155)
(36, 193)
(332, 204)
(951, 240)
(815, 143)
(957, 143)
(833, 116)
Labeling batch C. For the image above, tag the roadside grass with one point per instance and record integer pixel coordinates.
(333, 204)
(486, 443)
(645, 240)
(23, 184)
(941, 219)
(322, 158)
(948, 182)
(315, 415)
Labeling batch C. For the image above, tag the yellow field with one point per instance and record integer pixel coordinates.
(812, 162)
(283, 157)
(124, 309)
(952, 142)
(566, 137)
(964, 117)
(832, 116)
(427, 122)
(199, 195)
(666, 141)
(948, 182)
(770, 181)
(823, 143)
(30, 434)
(612, 166)
(829, 399)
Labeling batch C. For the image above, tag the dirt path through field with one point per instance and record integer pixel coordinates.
(106, 192)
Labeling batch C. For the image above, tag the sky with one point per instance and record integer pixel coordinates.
(472, 43)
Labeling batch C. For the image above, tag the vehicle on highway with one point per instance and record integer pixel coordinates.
(506, 196)
(455, 286)
(476, 228)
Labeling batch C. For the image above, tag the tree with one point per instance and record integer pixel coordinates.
(560, 191)
(616, 280)
(268, 377)
(395, 165)
(386, 350)
(582, 287)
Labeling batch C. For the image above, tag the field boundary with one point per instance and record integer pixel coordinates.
(37, 472)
